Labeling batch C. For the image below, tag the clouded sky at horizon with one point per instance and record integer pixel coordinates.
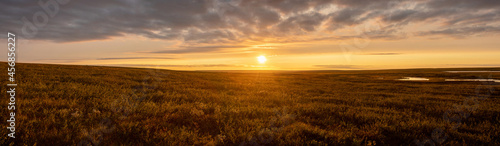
(231, 34)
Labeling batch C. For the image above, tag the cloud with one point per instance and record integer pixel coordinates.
(346, 17)
(128, 58)
(383, 54)
(202, 49)
(203, 22)
(399, 15)
(301, 23)
(464, 4)
(340, 66)
(174, 66)
(474, 65)
(461, 32)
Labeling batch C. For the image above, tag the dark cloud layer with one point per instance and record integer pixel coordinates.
(198, 22)
(202, 49)
(127, 58)
(462, 32)
(170, 65)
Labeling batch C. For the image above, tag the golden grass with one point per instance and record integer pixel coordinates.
(67, 105)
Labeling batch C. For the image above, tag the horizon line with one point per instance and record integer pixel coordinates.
(284, 70)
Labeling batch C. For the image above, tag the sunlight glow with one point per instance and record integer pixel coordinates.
(262, 59)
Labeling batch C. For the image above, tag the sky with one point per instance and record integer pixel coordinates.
(233, 34)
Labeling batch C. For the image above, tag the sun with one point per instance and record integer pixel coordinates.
(262, 59)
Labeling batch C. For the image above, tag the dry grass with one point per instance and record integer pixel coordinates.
(66, 105)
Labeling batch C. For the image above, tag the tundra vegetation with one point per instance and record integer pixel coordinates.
(67, 105)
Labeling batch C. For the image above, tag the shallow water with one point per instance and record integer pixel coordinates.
(478, 71)
(472, 80)
(413, 79)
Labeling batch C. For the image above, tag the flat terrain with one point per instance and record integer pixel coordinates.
(67, 105)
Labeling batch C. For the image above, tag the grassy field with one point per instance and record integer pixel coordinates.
(67, 105)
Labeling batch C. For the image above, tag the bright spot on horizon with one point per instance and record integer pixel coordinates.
(262, 59)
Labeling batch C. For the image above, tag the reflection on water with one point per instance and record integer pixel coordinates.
(472, 80)
(413, 79)
(449, 80)
(477, 71)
